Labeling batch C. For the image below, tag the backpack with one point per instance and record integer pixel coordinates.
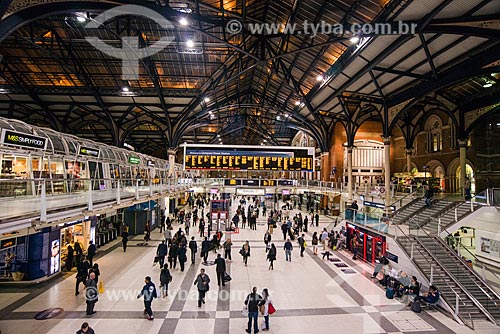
(415, 307)
(389, 293)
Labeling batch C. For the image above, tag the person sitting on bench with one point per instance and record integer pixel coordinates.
(431, 297)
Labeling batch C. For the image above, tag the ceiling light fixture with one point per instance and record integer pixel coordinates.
(81, 18)
(183, 21)
(190, 43)
(207, 99)
(218, 136)
(488, 84)
(125, 89)
(354, 40)
(297, 103)
(319, 78)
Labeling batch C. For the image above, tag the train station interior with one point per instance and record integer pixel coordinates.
(358, 137)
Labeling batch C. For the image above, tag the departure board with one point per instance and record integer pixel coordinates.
(257, 158)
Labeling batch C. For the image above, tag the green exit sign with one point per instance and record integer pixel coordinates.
(132, 159)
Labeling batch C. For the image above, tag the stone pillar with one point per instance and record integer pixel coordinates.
(325, 166)
(349, 172)
(171, 162)
(409, 152)
(387, 173)
(462, 144)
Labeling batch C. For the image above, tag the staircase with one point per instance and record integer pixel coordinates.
(427, 256)
(447, 258)
(448, 217)
(408, 211)
(417, 207)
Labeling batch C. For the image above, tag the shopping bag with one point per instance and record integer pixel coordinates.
(244, 312)
(227, 277)
(271, 309)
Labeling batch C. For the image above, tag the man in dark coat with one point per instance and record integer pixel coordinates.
(181, 254)
(91, 251)
(205, 248)
(91, 293)
(193, 246)
(149, 293)
(220, 268)
(161, 252)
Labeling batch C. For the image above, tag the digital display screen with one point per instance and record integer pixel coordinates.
(220, 157)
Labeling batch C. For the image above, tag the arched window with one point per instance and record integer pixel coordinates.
(433, 128)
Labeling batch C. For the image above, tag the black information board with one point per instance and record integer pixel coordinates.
(220, 157)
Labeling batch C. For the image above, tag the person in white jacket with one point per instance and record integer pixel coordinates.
(266, 301)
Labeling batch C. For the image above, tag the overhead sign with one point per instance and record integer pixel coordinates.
(239, 157)
(378, 205)
(91, 152)
(268, 183)
(232, 182)
(251, 191)
(251, 183)
(7, 243)
(151, 163)
(285, 182)
(23, 140)
(134, 160)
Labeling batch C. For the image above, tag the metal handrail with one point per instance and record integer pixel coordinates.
(457, 281)
(413, 193)
(469, 268)
(442, 279)
(478, 304)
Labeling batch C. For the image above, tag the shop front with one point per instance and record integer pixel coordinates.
(370, 243)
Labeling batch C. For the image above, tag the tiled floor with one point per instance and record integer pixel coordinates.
(311, 296)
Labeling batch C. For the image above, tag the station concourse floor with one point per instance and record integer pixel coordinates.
(311, 295)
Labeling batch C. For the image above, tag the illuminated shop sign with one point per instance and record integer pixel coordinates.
(20, 139)
(91, 152)
(134, 160)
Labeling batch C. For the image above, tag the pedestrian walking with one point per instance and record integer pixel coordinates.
(193, 246)
(172, 255)
(266, 301)
(253, 301)
(85, 329)
(165, 279)
(220, 269)
(91, 293)
(227, 249)
(245, 252)
(82, 269)
(302, 244)
(181, 255)
(202, 283)
(161, 252)
(271, 256)
(205, 248)
(149, 293)
(288, 247)
(315, 243)
(124, 240)
(168, 235)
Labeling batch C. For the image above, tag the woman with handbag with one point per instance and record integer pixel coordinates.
(245, 252)
(266, 308)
